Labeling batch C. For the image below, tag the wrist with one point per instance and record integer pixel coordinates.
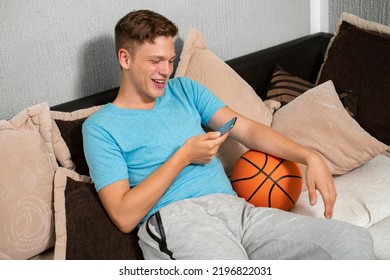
(311, 156)
(180, 157)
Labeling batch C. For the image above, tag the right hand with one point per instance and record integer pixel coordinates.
(202, 148)
(318, 177)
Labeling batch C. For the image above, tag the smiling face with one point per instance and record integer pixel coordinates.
(146, 72)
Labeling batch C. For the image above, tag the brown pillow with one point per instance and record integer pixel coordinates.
(83, 229)
(358, 59)
(318, 120)
(200, 64)
(27, 167)
(284, 87)
(68, 139)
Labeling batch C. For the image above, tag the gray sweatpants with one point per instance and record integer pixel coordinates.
(222, 226)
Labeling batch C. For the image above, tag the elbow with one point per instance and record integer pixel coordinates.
(124, 225)
(125, 229)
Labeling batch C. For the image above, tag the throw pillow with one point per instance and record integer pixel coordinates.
(200, 64)
(83, 228)
(318, 120)
(358, 59)
(27, 166)
(284, 87)
(68, 139)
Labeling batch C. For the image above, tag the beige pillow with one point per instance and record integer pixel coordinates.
(67, 138)
(200, 64)
(317, 119)
(27, 167)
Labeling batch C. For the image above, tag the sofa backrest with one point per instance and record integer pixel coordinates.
(302, 57)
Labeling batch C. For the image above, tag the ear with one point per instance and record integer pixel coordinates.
(124, 58)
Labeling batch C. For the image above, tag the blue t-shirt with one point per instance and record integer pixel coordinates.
(130, 144)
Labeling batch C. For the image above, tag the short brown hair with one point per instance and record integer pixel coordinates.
(141, 26)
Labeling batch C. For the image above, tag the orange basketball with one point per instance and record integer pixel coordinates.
(267, 181)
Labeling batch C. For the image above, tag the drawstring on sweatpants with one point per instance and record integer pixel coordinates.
(163, 241)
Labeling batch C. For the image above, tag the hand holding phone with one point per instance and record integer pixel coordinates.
(227, 126)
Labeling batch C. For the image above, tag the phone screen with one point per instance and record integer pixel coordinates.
(227, 126)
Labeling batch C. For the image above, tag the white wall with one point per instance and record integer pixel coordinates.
(372, 10)
(56, 50)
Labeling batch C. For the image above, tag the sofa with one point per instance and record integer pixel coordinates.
(50, 209)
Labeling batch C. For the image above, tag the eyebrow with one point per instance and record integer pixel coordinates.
(161, 57)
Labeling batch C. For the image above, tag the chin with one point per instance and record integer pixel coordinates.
(157, 92)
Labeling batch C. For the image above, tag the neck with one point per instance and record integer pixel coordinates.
(129, 98)
(131, 101)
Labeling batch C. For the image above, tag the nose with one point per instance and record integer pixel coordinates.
(166, 68)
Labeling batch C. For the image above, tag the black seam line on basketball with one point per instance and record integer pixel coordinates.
(258, 168)
(276, 183)
(267, 176)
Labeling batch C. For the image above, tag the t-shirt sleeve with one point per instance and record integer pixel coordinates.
(104, 157)
(205, 101)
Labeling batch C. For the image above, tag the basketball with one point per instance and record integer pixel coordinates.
(267, 181)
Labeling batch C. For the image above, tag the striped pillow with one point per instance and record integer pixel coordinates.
(284, 87)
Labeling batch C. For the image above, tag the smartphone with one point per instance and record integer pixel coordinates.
(227, 126)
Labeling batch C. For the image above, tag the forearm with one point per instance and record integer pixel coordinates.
(265, 139)
(127, 207)
(150, 190)
(258, 136)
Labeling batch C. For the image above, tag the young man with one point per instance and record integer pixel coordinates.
(154, 167)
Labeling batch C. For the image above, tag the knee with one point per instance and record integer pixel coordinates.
(355, 243)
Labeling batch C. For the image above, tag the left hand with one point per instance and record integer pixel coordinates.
(318, 177)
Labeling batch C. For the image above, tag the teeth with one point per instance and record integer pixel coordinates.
(159, 81)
